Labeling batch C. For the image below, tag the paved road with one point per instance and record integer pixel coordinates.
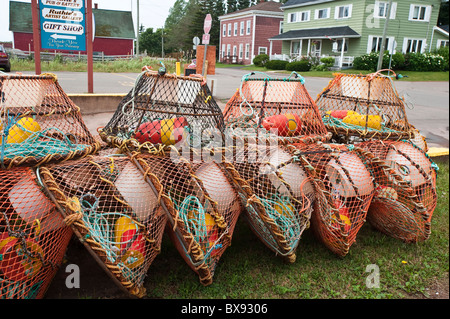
(428, 101)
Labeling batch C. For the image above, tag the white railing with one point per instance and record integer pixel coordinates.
(347, 61)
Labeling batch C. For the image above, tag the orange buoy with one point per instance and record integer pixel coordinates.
(285, 124)
(167, 132)
(125, 231)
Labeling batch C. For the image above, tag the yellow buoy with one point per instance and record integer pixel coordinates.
(22, 130)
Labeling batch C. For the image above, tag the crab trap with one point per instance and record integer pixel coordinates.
(405, 195)
(113, 212)
(202, 205)
(355, 108)
(343, 192)
(39, 123)
(33, 236)
(164, 110)
(278, 109)
(277, 194)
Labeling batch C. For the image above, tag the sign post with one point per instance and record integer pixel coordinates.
(89, 44)
(36, 36)
(206, 27)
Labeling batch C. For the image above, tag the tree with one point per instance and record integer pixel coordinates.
(243, 4)
(443, 14)
(151, 41)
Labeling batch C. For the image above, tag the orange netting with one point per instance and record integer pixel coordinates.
(344, 190)
(364, 107)
(39, 123)
(113, 212)
(202, 206)
(33, 236)
(277, 194)
(164, 110)
(405, 195)
(273, 108)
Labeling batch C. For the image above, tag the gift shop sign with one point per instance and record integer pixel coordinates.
(63, 25)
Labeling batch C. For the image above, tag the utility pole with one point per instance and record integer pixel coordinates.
(36, 36)
(137, 29)
(162, 42)
(383, 41)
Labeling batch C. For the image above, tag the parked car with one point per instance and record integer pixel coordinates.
(4, 60)
(18, 54)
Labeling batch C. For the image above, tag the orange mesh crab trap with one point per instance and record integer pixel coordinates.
(112, 211)
(277, 194)
(39, 123)
(33, 236)
(273, 108)
(202, 206)
(343, 192)
(364, 107)
(164, 110)
(405, 195)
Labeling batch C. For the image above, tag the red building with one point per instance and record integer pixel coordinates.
(114, 30)
(245, 34)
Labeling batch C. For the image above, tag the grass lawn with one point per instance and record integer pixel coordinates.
(249, 270)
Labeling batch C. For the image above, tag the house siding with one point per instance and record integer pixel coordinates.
(267, 28)
(364, 22)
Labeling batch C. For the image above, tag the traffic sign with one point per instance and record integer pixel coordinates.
(63, 25)
(196, 41)
(205, 39)
(207, 24)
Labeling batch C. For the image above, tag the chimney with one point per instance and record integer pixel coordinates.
(95, 5)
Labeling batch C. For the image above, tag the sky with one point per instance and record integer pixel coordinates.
(152, 13)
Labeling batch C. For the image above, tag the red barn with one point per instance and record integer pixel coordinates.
(114, 30)
(245, 34)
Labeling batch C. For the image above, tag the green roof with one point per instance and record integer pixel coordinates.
(108, 23)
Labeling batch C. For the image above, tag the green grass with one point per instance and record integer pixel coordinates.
(249, 270)
(135, 66)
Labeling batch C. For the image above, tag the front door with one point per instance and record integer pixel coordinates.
(316, 48)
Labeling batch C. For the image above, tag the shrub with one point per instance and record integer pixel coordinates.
(276, 65)
(261, 60)
(444, 52)
(398, 61)
(370, 61)
(328, 61)
(425, 62)
(299, 66)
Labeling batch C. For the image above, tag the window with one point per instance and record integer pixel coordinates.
(337, 46)
(322, 14)
(249, 25)
(242, 28)
(224, 30)
(414, 45)
(247, 51)
(262, 50)
(234, 50)
(223, 50)
(374, 44)
(241, 51)
(442, 43)
(296, 48)
(229, 29)
(343, 12)
(235, 28)
(228, 50)
(382, 9)
(419, 13)
(292, 17)
(281, 27)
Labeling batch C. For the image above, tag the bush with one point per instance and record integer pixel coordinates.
(261, 60)
(398, 61)
(370, 61)
(276, 65)
(328, 61)
(299, 66)
(425, 62)
(444, 52)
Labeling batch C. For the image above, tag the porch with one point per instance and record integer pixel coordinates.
(322, 42)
